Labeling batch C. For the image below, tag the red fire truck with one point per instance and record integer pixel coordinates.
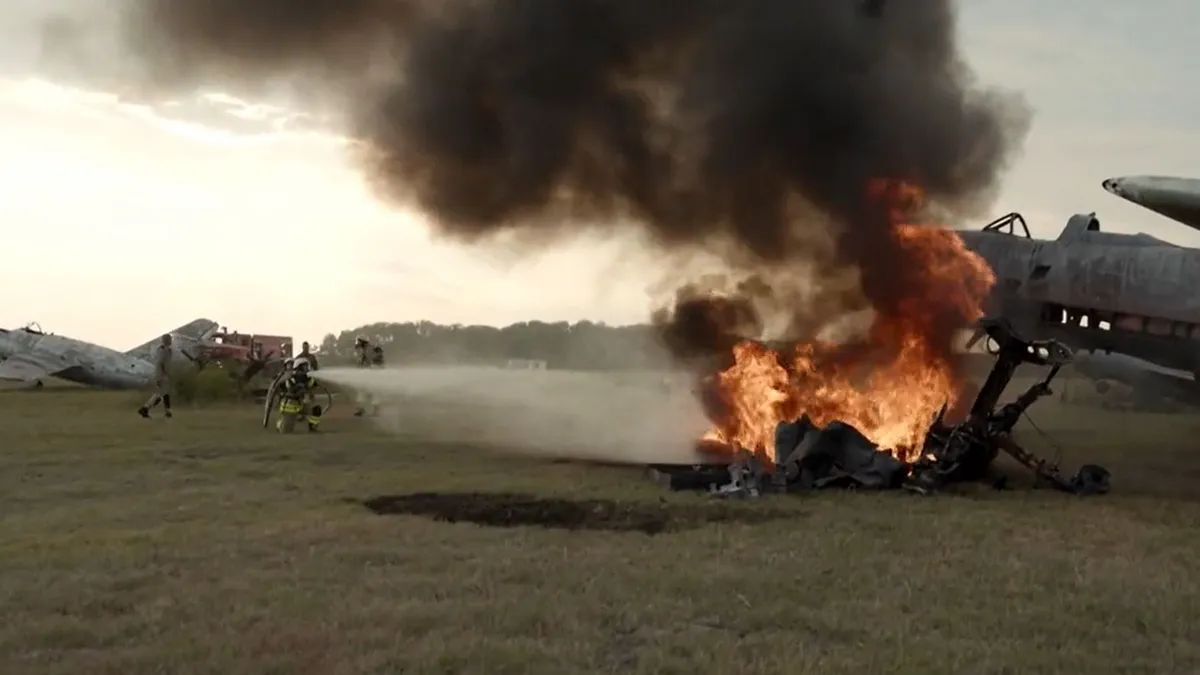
(257, 352)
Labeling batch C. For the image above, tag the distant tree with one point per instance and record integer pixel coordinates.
(585, 345)
(328, 344)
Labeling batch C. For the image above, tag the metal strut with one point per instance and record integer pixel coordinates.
(965, 451)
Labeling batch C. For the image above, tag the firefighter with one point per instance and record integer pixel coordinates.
(306, 353)
(296, 398)
(368, 357)
(162, 379)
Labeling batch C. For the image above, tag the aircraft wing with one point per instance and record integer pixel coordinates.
(26, 368)
(199, 330)
(1170, 196)
(202, 330)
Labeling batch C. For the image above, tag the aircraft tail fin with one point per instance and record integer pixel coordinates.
(198, 330)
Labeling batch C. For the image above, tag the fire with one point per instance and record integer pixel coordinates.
(892, 390)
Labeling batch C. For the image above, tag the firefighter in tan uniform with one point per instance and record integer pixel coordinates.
(162, 379)
(368, 357)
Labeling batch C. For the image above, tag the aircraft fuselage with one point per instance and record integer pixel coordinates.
(1093, 290)
(80, 362)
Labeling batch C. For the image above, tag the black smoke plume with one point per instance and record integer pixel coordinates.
(753, 127)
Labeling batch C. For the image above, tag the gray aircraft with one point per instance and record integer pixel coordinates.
(1106, 293)
(29, 355)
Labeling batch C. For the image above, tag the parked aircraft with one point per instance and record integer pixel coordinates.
(1104, 292)
(30, 355)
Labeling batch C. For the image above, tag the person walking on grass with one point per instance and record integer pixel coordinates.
(162, 380)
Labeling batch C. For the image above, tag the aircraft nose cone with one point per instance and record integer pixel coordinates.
(1112, 185)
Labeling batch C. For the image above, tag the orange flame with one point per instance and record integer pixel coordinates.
(891, 399)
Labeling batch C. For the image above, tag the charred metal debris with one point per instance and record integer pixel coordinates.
(809, 457)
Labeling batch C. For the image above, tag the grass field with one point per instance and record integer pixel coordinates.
(204, 544)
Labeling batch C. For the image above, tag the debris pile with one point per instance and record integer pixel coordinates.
(808, 456)
(838, 455)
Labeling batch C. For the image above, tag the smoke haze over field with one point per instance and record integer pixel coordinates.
(612, 417)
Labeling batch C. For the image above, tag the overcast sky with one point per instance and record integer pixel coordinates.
(120, 222)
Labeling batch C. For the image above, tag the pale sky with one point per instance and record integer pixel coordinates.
(120, 222)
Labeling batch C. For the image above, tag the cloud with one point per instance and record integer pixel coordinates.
(208, 117)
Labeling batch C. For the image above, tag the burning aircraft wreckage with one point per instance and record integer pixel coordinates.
(817, 415)
(804, 455)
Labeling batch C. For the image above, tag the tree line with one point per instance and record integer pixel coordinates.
(584, 345)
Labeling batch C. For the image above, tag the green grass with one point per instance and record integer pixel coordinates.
(205, 544)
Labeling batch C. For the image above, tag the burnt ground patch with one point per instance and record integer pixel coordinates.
(516, 510)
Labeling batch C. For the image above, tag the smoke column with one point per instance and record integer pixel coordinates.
(752, 128)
